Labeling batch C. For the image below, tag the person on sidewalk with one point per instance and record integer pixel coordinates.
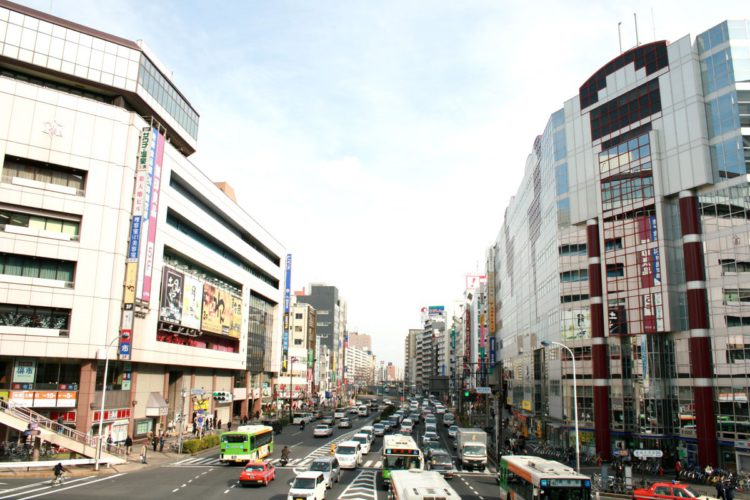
(677, 470)
(229, 426)
(161, 443)
(144, 453)
(109, 443)
(154, 442)
(720, 491)
(128, 445)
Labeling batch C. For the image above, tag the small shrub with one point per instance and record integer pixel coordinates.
(191, 446)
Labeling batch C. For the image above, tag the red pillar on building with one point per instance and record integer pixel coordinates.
(700, 344)
(86, 395)
(598, 343)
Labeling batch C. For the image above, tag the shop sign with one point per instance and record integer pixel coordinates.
(22, 398)
(24, 371)
(526, 404)
(116, 414)
(66, 399)
(45, 399)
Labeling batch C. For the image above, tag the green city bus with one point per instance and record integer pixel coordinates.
(248, 442)
(400, 453)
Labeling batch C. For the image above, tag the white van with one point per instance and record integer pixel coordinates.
(419, 485)
(349, 454)
(363, 411)
(339, 413)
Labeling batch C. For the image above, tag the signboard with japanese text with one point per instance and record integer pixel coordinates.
(192, 302)
(152, 215)
(171, 296)
(210, 318)
(24, 371)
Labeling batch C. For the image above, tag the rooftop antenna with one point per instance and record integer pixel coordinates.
(619, 35)
(635, 18)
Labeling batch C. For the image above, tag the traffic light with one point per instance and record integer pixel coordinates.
(222, 397)
(466, 394)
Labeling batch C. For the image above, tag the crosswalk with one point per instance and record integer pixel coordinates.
(295, 463)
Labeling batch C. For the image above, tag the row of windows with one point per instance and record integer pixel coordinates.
(574, 249)
(619, 191)
(7, 73)
(612, 244)
(734, 266)
(736, 295)
(729, 158)
(167, 96)
(738, 321)
(717, 71)
(34, 317)
(44, 172)
(52, 224)
(628, 108)
(37, 267)
(615, 270)
(576, 275)
(722, 114)
(565, 299)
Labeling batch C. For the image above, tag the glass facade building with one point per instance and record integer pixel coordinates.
(640, 261)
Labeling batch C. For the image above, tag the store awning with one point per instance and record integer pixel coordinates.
(156, 405)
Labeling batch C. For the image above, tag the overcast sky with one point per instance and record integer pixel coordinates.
(380, 141)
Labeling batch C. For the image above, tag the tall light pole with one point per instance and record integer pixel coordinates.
(546, 343)
(103, 352)
(184, 394)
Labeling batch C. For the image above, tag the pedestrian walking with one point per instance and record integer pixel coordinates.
(161, 443)
(677, 470)
(109, 443)
(720, 490)
(229, 426)
(128, 445)
(728, 491)
(195, 428)
(218, 424)
(154, 442)
(144, 453)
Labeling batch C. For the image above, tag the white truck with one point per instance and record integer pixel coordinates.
(471, 446)
(420, 485)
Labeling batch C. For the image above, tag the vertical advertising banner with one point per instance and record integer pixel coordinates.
(142, 197)
(210, 321)
(171, 296)
(152, 214)
(287, 303)
(235, 330)
(493, 354)
(192, 302)
(491, 302)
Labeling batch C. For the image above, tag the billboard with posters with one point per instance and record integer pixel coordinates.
(225, 310)
(210, 320)
(171, 296)
(192, 302)
(236, 328)
(576, 324)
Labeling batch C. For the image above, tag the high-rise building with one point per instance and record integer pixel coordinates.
(360, 341)
(114, 244)
(410, 361)
(331, 325)
(637, 257)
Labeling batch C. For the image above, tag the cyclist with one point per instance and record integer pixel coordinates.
(285, 455)
(58, 470)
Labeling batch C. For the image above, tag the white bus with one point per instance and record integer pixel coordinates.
(400, 453)
(420, 485)
(534, 478)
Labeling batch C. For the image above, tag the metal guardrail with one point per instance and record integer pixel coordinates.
(31, 416)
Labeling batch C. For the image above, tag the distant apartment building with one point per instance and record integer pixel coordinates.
(113, 243)
(410, 361)
(360, 341)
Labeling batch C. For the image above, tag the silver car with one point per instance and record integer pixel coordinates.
(329, 466)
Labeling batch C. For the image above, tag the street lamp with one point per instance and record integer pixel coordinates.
(103, 352)
(184, 394)
(546, 343)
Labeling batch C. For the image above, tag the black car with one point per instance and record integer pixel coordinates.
(441, 462)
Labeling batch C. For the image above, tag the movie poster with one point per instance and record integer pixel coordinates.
(171, 296)
(192, 300)
(211, 321)
(224, 310)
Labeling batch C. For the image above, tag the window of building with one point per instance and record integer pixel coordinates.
(723, 114)
(566, 299)
(52, 224)
(737, 321)
(612, 244)
(626, 190)
(51, 374)
(297, 315)
(572, 249)
(576, 275)
(37, 267)
(563, 212)
(743, 102)
(561, 179)
(734, 266)
(616, 270)
(559, 146)
(34, 317)
(115, 373)
(736, 295)
(635, 105)
(717, 71)
(713, 37)
(44, 172)
(297, 328)
(728, 158)
(297, 341)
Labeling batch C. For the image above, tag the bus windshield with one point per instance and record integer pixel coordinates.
(565, 494)
(401, 463)
(234, 438)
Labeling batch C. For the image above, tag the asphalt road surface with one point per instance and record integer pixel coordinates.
(203, 477)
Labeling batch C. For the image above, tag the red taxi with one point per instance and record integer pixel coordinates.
(668, 490)
(257, 472)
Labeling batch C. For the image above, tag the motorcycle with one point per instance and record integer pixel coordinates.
(284, 461)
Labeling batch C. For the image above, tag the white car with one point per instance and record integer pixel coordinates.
(364, 442)
(349, 454)
(440, 410)
(452, 431)
(448, 419)
(308, 485)
(339, 413)
(369, 430)
(430, 427)
(323, 430)
(429, 436)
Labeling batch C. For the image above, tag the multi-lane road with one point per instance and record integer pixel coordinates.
(203, 477)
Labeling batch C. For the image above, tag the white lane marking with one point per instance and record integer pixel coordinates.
(297, 433)
(175, 490)
(75, 486)
(190, 481)
(301, 442)
(225, 492)
(44, 485)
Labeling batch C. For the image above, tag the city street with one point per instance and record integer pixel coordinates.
(202, 476)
